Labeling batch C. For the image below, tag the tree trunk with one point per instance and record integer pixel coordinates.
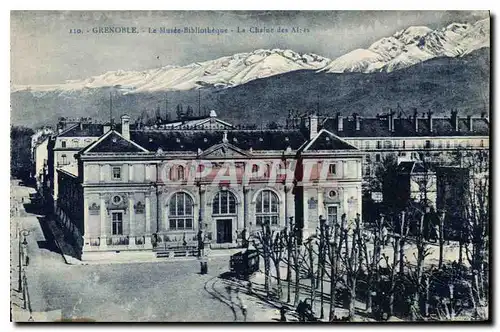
(312, 276)
(278, 279)
(441, 241)
(297, 276)
(289, 272)
(267, 272)
(333, 285)
(401, 245)
(393, 277)
(352, 300)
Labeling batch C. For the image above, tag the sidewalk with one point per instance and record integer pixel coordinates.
(22, 220)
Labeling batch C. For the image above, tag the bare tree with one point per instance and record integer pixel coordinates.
(332, 258)
(263, 243)
(476, 213)
(372, 260)
(352, 262)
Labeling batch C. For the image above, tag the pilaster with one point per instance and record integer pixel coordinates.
(104, 221)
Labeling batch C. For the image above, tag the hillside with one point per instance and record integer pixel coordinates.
(440, 83)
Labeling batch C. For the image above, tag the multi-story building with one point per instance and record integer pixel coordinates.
(417, 137)
(145, 188)
(63, 146)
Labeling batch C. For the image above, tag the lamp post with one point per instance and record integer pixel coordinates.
(22, 234)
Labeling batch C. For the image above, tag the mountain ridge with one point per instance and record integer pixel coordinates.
(403, 49)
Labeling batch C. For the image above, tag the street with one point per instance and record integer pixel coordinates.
(171, 291)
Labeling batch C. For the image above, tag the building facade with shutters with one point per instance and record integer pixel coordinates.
(147, 188)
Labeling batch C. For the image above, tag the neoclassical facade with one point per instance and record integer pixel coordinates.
(145, 189)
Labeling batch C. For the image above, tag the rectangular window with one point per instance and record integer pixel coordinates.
(173, 223)
(274, 220)
(332, 215)
(259, 220)
(63, 144)
(404, 144)
(117, 218)
(377, 157)
(367, 145)
(379, 144)
(117, 173)
(427, 144)
(332, 169)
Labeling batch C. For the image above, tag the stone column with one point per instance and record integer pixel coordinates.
(104, 223)
(246, 202)
(201, 208)
(130, 173)
(147, 236)
(86, 236)
(306, 209)
(101, 173)
(321, 204)
(131, 221)
(291, 204)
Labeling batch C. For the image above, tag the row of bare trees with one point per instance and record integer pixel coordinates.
(386, 263)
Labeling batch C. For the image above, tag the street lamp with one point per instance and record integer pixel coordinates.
(23, 233)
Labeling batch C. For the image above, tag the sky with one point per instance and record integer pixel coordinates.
(43, 51)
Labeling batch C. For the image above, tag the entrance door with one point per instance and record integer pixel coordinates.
(224, 230)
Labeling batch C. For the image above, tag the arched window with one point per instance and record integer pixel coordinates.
(180, 212)
(180, 173)
(267, 208)
(224, 203)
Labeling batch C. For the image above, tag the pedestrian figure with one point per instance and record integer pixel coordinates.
(384, 236)
(301, 311)
(24, 252)
(249, 287)
(244, 238)
(244, 312)
(305, 311)
(282, 314)
(201, 245)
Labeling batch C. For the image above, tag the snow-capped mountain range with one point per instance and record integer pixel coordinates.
(414, 45)
(403, 49)
(223, 72)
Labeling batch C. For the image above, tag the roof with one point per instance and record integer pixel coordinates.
(192, 140)
(325, 140)
(192, 123)
(412, 167)
(113, 142)
(83, 130)
(404, 127)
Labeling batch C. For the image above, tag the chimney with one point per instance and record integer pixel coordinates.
(454, 120)
(106, 127)
(415, 120)
(357, 118)
(430, 121)
(126, 126)
(391, 120)
(313, 126)
(469, 121)
(340, 122)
